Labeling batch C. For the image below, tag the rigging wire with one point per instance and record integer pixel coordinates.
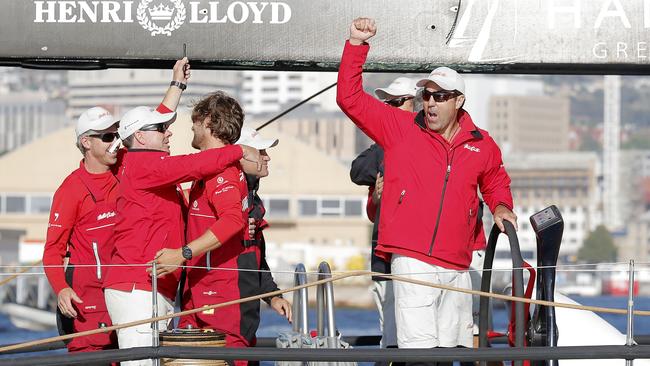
(295, 106)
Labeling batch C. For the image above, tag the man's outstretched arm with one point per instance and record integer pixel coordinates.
(180, 76)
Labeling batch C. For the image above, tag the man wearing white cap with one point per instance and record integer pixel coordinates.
(368, 170)
(149, 216)
(80, 227)
(256, 223)
(435, 161)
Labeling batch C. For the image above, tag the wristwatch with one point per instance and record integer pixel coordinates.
(181, 86)
(187, 252)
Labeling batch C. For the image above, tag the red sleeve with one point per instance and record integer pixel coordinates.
(163, 109)
(226, 198)
(494, 182)
(171, 170)
(63, 215)
(379, 121)
(371, 207)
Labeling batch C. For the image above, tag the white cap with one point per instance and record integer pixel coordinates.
(446, 78)
(400, 87)
(252, 138)
(95, 119)
(139, 117)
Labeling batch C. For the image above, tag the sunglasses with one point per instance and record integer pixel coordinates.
(438, 96)
(106, 136)
(397, 102)
(160, 127)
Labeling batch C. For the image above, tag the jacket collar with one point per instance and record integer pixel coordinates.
(464, 119)
(148, 150)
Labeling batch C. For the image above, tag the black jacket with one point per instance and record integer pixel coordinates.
(364, 172)
(257, 211)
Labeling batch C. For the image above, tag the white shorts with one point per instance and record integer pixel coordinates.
(124, 307)
(383, 294)
(428, 317)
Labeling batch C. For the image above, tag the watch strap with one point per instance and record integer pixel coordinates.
(178, 84)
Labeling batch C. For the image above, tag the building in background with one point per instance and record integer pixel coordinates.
(635, 172)
(636, 244)
(635, 205)
(331, 133)
(273, 92)
(567, 180)
(530, 123)
(479, 90)
(28, 115)
(121, 89)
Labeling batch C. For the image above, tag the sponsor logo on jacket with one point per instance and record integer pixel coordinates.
(105, 215)
(472, 148)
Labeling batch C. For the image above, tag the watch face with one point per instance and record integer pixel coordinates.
(187, 253)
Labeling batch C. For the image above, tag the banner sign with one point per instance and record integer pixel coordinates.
(570, 36)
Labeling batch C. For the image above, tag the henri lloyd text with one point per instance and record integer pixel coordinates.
(161, 16)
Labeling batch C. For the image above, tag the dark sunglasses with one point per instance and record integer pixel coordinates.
(106, 136)
(160, 127)
(438, 96)
(397, 102)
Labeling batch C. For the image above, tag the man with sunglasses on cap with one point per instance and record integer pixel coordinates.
(80, 227)
(149, 216)
(435, 161)
(81, 224)
(368, 170)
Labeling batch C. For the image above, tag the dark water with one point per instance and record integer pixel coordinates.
(365, 322)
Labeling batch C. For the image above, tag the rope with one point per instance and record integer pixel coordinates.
(173, 315)
(316, 283)
(22, 271)
(559, 268)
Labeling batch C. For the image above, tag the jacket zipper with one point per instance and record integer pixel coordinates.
(99, 263)
(401, 196)
(207, 260)
(444, 188)
(442, 198)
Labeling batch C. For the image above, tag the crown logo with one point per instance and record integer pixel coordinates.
(147, 16)
(161, 12)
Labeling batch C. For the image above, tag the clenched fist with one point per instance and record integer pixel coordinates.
(361, 30)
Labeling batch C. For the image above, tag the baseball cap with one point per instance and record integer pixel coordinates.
(250, 136)
(399, 87)
(95, 119)
(446, 78)
(141, 116)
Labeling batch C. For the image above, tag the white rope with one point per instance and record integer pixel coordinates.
(562, 268)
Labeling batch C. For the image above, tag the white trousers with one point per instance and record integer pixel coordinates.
(382, 292)
(124, 307)
(428, 317)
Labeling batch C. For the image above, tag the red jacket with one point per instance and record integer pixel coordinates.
(71, 203)
(430, 198)
(149, 214)
(218, 204)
